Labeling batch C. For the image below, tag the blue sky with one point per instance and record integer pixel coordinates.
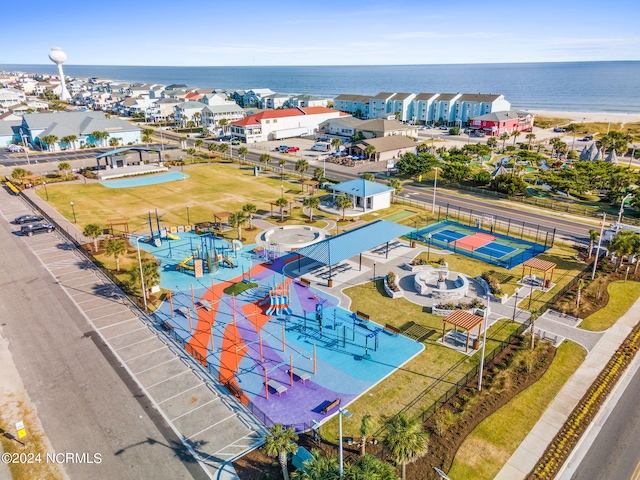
(206, 33)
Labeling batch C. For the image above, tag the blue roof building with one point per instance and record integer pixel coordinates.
(368, 196)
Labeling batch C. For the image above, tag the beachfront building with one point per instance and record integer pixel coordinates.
(497, 123)
(422, 108)
(380, 127)
(162, 109)
(401, 106)
(188, 112)
(36, 126)
(305, 101)
(212, 114)
(10, 96)
(475, 105)
(356, 105)
(386, 148)
(380, 105)
(368, 196)
(251, 98)
(343, 127)
(444, 108)
(274, 101)
(279, 124)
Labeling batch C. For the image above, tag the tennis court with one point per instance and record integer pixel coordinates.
(475, 242)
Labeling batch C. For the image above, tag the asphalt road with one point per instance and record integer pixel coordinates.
(85, 400)
(615, 453)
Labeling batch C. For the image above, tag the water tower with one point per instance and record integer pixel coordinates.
(57, 56)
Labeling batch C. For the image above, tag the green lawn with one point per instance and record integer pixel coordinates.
(621, 297)
(424, 371)
(494, 440)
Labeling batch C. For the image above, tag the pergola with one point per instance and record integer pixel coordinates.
(465, 320)
(219, 217)
(32, 179)
(312, 186)
(117, 222)
(539, 264)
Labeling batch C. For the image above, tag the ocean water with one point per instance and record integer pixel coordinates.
(567, 86)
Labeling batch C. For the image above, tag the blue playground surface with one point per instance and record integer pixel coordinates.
(144, 180)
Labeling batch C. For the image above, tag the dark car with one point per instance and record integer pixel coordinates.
(32, 228)
(28, 219)
(588, 138)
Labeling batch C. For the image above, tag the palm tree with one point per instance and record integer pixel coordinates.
(279, 442)
(113, 141)
(19, 173)
(191, 151)
(146, 135)
(504, 137)
(530, 137)
(534, 316)
(150, 273)
(622, 245)
(515, 134)
(369, 468)
(593, 236)
(492, 142)
(183, 142)
(93, 231)
(265, 158)
(302, 166)
(243, 151)
(320, 467)
(70, 140)
(223, 123)
(212, 147)
(311, 203)
(198, 143)
(343, 201)
(579, 293)
(335, 143)
(369, 151)
(282, 202)
(250, 209)
(318, 174)
(50, 141)
(369, 177)
(396, 184)
(282, 162)
(64, 167)
(224, 148)
(236, 220)
(367, 424)
(196, 118)
(115, 248)
(405, 439)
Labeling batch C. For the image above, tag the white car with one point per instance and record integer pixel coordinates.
(15, 149)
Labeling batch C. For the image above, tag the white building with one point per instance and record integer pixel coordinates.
(286, 123)
(367, 195)
(188, 111)
(10, 96)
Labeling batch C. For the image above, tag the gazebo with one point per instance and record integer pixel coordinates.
(465, 320)
(312, 186)
(538, 264)
(219, 217)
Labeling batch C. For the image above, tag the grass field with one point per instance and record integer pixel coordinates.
(209, 189)
(422, 372)
(492, 442)
(622, 295)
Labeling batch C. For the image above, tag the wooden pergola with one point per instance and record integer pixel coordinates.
(465, 320)
(119, 222)
(286, 210)
(538, 264)
(32, 179)
(219, 217)
(312, 186)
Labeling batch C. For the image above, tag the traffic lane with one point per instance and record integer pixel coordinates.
(82, 399)
(615, 453)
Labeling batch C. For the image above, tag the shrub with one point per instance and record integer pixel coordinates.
(391, 282)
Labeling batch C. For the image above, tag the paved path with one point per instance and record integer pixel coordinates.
(211, 424)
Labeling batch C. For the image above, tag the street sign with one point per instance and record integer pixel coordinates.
(22, 432)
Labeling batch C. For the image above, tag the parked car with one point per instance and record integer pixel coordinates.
(29, 218)
(480, 134)
(588, 138)
(235, 142)
(558, 130)
(444, 127)
(281, 148)
(32, 228)
(15, 149)
(292, 149)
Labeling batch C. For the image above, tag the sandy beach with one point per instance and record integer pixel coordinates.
(590, 116)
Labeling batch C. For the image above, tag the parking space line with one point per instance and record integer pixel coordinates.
(147, 353)
(169, 378)
(106, 304)
(119, 323)
(136, 343)
(127, 333)
(110, 314)
(211, 426)
(157, 365)
(194, 409)
(178, 394)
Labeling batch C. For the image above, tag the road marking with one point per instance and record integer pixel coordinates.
(127, 333)
(136, 343)
(157, 365)
(211, 426)
(178, 394)
(169, 378)
(636, 472)
(194, 409)
(118, 323)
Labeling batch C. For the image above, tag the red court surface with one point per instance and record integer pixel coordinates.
(477, 240)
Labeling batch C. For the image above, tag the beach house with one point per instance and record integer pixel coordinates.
(497, 123)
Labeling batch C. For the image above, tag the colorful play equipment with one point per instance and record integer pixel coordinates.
(171, 236)
(278, 300)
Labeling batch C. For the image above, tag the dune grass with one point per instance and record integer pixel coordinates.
(622, 295)
(494, 440)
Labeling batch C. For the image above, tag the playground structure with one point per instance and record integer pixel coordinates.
(284, 338)
(208, 255)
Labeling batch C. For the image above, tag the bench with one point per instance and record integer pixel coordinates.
(362, 315)
(166, 326)
(301, 374)
(305, 282)
(235, 391)
(392, 329)
(278, 387)
(355, 219)
(332, 405)
(203, 304)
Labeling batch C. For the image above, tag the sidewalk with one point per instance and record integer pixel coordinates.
(533, 446)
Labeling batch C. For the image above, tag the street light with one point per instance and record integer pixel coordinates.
(45, 190)
(188, 219)
(281, 191)
(144, 293)
(515, 306)
(435, 183)
(484, 341)
(74, 212)
(429, 248)
(374, 273)
(595, 262)
(342, 412)
(622, 206)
